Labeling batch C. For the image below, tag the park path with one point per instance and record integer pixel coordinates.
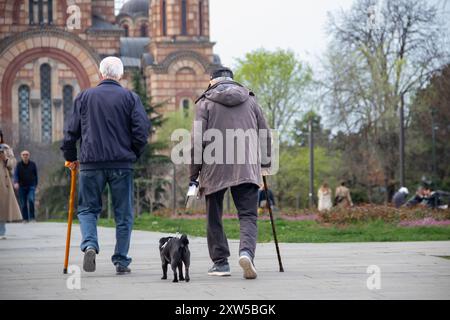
(31, 263)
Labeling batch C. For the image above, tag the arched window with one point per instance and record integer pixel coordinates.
(200, 17)
(144, 30)
(46, 103)
(127, 30)
(67, 95)
(183, 17)
(24, 113)
(164, 17)
(40, 11)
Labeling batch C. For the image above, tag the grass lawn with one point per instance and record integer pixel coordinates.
(296, 231)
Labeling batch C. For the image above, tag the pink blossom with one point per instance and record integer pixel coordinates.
(424, 222)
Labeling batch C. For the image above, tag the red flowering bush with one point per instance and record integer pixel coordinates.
(387, 214)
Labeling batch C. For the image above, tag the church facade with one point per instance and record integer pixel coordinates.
(50, 51)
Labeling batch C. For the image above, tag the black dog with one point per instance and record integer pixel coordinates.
(175, 252)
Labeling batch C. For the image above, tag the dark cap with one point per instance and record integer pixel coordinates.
(427, 183)
(222, 72)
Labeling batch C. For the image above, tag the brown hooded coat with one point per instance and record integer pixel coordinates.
(229, 106)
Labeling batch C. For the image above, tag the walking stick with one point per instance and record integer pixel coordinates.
(273, 223)
(73, 183)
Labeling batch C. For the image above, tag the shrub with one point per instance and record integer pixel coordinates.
(387, 214)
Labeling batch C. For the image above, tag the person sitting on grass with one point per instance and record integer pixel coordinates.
(399, 198)
(417, 198)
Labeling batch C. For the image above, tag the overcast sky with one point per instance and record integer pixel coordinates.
(241, 26)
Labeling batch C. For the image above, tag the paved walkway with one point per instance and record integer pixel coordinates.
(31, 263)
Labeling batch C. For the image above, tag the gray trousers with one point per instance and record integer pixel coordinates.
(245, 197)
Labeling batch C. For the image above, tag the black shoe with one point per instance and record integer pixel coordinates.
(222, 270)
(122, 270)
(89, 260)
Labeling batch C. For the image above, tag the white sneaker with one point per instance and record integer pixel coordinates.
(2, 237)
(245, 261)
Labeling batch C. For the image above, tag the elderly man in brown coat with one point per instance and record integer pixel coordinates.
(230, 145)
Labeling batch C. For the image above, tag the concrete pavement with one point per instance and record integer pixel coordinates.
(31, 264)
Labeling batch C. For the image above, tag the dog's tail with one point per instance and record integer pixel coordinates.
(184, 240)
(163, 242)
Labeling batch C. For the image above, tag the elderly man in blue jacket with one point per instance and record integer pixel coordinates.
(113, 129)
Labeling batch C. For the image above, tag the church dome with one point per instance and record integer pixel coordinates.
(135, 7)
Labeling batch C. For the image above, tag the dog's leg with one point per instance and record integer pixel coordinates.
(180, 271)
(174, 269)
(187, 262)
(164, 268)
(186, 267)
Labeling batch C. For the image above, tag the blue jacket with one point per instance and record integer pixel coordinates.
(26, 175)
(112, 127)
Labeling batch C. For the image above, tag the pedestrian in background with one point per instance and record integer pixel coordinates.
(262, 199)
(400, 197)
(9, 209)
(324, 196)
(342, 197)
(418, 198)
(26, 181)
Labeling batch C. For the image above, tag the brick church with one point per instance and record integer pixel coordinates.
(50, 51)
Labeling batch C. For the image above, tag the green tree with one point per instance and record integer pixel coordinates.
(301, 130)
(173, 121)
(431, 107)
(153, 166)
(279, 80)
(375, 64)
(292, 186)
(54, 181)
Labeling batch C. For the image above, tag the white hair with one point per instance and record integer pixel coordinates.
(404, 190)
(111, 67)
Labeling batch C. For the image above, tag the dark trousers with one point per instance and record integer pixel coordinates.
(26, 199)
(245, 197)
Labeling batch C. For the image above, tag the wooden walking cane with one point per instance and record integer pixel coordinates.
(273, 223)
(73, 184)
